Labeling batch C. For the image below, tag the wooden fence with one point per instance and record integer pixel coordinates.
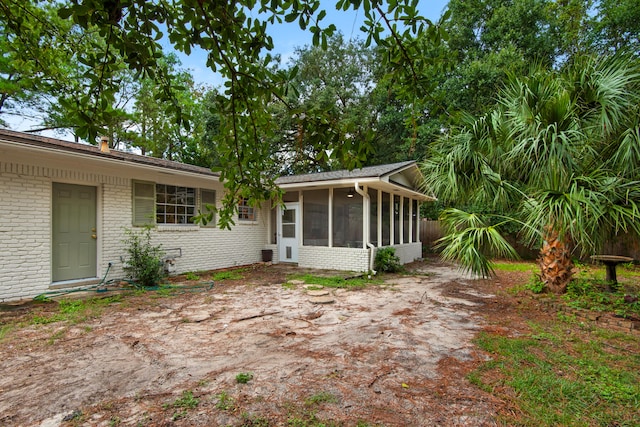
(625, 245)
(430, 231)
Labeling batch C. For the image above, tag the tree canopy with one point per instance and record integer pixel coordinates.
(103, 70)
(238, 45)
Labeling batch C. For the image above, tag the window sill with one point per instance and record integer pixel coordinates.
(181, 228)
(246, 222)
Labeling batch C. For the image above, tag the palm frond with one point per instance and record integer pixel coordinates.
(626, 157)
(472, 243)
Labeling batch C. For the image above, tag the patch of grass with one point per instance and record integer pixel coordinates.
(249, 420)
(56, 336)
(38, 319)
(555, 378)
(244, 377)
(321, 397)
(164, 291)
(192, 276)
(4, 331)
(185, 402)
(289, 285)
(74, 311)
(228, 275)
(308, 419)
(596, 295)
(515, 266)
(225, 402)
(337, 281)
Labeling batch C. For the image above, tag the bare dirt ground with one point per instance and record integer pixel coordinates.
(392, 355)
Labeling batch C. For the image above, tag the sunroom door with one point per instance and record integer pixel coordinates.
(288, 231)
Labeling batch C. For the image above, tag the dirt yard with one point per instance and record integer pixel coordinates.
(393, 355)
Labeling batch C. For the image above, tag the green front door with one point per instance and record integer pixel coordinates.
(74, 232)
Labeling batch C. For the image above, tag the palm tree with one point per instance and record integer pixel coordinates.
(559, 157)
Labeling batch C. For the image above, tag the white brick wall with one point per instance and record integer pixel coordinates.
(212, 248)
(25, 226)
(25, 246)
(349, 259)
(408, 252)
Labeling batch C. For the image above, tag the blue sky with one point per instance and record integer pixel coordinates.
(287, 37)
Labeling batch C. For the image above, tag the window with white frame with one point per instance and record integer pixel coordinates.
(246, 212)
(175, 205)
(167, 204)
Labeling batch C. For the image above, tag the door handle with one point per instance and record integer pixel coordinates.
(93, 236)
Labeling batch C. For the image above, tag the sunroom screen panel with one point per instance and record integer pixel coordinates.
(315, 214)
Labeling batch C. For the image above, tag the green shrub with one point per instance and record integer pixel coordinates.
(244, 377)
(144, 262)
(535, 285)
(387, 261)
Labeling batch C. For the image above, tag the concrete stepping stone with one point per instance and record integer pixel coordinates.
(318, 293)
(322, 300)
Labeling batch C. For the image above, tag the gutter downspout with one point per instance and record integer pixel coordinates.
(365, 231)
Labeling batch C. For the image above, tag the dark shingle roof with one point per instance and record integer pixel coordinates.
(90, 150)
(379, 171)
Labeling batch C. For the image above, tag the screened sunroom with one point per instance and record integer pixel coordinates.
(336, 220)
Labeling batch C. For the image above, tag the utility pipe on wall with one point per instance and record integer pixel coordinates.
(366, 224)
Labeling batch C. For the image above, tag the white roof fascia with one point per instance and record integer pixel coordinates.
(382, 183)
(107, 160)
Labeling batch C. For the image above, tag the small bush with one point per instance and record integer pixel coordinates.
(144, 263)
(535, 285)
(387, 261)
(244, 377)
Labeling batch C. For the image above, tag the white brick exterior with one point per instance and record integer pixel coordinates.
(408, 252)
(25, 244)
(25, 222)
(349, 259)
(29, 166)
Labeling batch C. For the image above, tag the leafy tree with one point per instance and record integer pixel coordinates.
(201, 149)
(616, 26)
(330, 92)
(487, 40)
(157, 134)
(561, 151)
(234, 35)
(35, 60)
(45, 69)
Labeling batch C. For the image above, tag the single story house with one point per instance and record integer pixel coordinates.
(66, 206)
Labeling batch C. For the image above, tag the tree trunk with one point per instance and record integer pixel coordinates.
(556, 266)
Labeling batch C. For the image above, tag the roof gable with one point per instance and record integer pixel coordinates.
(402, 176)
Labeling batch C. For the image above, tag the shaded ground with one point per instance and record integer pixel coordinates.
(393, 355)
